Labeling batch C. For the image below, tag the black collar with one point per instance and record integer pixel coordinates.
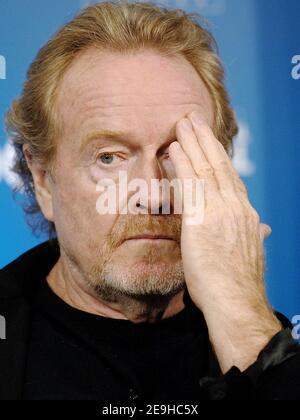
(20, 277)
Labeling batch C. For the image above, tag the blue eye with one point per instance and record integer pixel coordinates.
(106, 158)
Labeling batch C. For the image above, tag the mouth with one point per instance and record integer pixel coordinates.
(150, 237)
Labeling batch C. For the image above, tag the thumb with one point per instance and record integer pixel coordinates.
(265, 231)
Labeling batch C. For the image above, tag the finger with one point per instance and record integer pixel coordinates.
(239, 184)
(181, 162)
(189, 143)
(265, 231)
(225, 174)
(184, 171)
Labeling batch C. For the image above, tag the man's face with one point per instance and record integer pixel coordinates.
(142, 95)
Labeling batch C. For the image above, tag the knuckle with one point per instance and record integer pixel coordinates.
(221, 166)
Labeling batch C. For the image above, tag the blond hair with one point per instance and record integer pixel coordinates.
(116, 26)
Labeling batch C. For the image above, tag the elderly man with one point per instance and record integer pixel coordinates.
(139, 305)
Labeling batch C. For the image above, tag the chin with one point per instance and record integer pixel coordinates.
(144, 278)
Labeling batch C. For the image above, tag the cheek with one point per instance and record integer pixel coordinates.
(75, 213)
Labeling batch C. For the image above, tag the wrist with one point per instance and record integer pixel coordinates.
(238, 340)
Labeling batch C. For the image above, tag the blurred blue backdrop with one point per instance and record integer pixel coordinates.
(259, 42)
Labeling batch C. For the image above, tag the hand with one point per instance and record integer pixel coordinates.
(223, 257)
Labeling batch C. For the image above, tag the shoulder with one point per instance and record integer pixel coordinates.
(20, 276)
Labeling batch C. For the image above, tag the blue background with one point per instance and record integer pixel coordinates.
(257, 40)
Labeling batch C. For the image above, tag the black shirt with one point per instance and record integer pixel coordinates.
(75, 355)
(53, 351)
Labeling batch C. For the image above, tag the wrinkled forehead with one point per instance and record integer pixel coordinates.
(145, 85)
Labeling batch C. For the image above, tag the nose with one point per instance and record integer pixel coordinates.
(156, 197)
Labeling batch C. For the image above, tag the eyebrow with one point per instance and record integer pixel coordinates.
(103, 135)
(116, 136)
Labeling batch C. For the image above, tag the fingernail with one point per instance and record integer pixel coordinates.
(185, 124)
(175, 145)
(196, 117)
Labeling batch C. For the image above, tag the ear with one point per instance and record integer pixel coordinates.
(43, 185)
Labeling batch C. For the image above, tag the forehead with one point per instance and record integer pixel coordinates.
(140, 89)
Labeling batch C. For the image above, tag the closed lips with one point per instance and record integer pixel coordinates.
(150, 237)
